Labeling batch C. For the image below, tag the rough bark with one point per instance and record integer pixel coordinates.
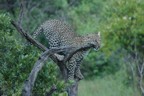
(73, 89)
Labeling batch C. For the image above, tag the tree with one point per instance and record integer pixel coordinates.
(123, 33)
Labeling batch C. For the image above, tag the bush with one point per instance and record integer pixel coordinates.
(17, 60)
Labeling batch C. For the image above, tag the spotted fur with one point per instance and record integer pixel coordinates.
(58, 33)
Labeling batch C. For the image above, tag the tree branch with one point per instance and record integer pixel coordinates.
(29, 83)
(73, 89)
(21, 13)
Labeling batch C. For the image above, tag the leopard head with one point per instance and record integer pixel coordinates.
(94, 39)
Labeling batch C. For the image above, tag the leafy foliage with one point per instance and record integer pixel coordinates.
(124, 25)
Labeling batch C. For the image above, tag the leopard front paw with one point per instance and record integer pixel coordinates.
(79, 76)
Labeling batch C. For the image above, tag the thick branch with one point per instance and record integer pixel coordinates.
(29, 83)
(73, 89)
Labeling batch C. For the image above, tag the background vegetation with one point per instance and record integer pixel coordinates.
(115, 70)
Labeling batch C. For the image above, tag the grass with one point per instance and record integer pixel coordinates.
(112, 85)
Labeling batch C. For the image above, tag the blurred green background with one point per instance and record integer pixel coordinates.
(115, 70)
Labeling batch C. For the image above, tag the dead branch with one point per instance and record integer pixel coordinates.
(29, 83)
(73, 89)
(21, 13)
(141, 73)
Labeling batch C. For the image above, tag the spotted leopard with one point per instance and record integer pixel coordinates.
(59, 33)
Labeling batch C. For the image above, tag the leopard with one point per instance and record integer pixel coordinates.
(59, 33)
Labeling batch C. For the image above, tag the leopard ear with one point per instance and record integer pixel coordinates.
(98, 34)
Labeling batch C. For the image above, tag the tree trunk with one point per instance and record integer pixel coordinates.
(73, 89)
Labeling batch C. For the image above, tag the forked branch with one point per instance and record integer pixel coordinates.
(29, 83)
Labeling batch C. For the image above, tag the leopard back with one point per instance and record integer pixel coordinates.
(57, 33)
